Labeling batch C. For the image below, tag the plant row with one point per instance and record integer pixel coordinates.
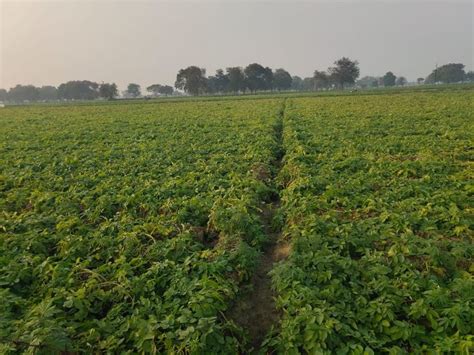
(127, 229)
(376, 202)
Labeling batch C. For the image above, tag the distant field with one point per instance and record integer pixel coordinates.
(137, 227)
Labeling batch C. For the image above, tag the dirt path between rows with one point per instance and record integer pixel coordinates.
(255, 310)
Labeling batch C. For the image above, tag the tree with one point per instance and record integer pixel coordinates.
(192, 80)
(389, 79)
(267, 79)
(78, 90)
(308, 84)
(320, 80)
(3, 95)
(368, 82)
(48, 93)
(296, 83)
(22, 93)
(256, 77)
(236, 78)
(401, 81)
(166, 90)
(218, 83)
(222, 81)
(448, 73)
(108, 91)
(154, 89)
(282, 79)
(211, 83)
(469, 76)
(345, 71)
(420, 81)
(133, 90)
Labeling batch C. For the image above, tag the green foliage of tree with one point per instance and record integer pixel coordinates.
(3, 95)
(108, 91)
(448, 73)
(166, 90)
(321, 80)
(21, 93)
(308, 84)
(192, 80)
(389, 79)
(48, 93)
(218, 83)
(79, 90)
(236, 78)
(345, 71)
(154, 89)
(296, 83)
(470, 76)
(282, 79)
(133, 90)
(401, 81)
(256, 77)
(368, 82)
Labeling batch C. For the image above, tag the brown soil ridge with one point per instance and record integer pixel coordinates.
(255, 310)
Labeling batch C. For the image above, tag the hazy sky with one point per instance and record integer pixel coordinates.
(49, 42)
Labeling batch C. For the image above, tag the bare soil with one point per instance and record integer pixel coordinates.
(255, 309)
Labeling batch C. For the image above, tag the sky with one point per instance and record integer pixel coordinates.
(147, 42)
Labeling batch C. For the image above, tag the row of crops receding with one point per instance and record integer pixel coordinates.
(377, 198)
(131, 228)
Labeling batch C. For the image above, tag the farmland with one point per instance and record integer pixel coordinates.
(134, 227)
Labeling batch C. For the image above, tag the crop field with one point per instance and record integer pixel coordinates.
(138, 227)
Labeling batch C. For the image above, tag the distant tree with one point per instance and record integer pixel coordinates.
(282, 79)
(308, 84)
(79, 90)
(22, 93)
(222, 81)
(420, 81)
(448, 73)
(375, 83)
(367, 82)
(256, 77)
(192, 80)
(211, 83)
(108, 91)
(236, 78)
(218, 83)
(166, 90)
(344, 72)
(401, 81)
(320, 80)
(157, 89)
(268, 79)
(469, 76)
(389, 79)
(48, 93)
(296, 83)
(154, 89)
(133, 90)
(3, 95)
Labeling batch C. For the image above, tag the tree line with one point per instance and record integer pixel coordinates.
(255, 77)
(235, 80)
(78, 90)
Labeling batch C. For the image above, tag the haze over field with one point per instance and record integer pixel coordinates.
(50, 42)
